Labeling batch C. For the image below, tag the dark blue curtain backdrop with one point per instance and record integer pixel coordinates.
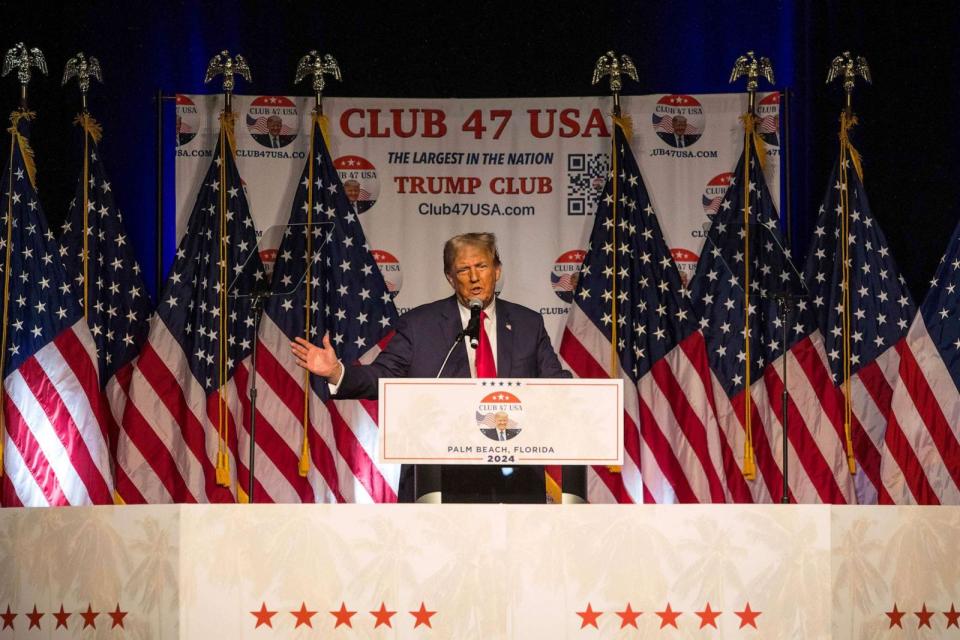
(521, 48)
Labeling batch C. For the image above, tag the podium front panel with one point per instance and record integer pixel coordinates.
(505, 422)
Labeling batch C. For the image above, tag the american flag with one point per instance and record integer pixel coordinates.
(117, 305)
(343, 294)
(879, 311)
(187, 397)
(55, 431)
(921, 461)
(671, 440)
(750, 370)
(489, 420)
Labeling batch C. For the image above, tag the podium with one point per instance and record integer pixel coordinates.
(487, 440)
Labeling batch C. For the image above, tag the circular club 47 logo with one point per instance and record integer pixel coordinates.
(713, 194)
(499, 415)
(188, 120)
(272, 121)
(566, 274)
(769, 126)
(390, 269)
(679, 120)
(360, 183)
(686, 262)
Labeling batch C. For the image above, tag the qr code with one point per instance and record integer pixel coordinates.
(586, 175)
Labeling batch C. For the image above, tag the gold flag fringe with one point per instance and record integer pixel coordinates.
(848, 122)
(847, 152)
(25, 149)
(750, 122)
(89, 124)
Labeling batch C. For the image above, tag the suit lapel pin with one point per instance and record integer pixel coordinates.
(509, 328)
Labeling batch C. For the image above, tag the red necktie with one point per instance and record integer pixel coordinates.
(486, 367)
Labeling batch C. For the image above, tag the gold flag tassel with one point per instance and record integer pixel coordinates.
(553, 477)
(749, 141)
(847, 155)
(223, 457)
(16, 140)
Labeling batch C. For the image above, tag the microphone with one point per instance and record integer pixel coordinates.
(472, 330)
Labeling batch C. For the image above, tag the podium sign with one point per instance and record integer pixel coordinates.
(514, 422)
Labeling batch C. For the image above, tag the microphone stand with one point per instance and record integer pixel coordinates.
(460, 337)
(785, 305)
(258, 297)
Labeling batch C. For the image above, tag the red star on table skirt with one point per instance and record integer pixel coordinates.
(303, 616)
(628, 616)
(924, 616)
(422, 616)
(263, 616)
(589, 617)
(117, 617)
(383, 616)
(62, 617)
(343, 616)
(748, 617)
(34, 618)
(668, 616)
(89, 617)
(896, 617)
(8, 618)
(953, 617)
(708, 617)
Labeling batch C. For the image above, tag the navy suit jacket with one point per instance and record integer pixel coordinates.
(424, 335)
(493, 435)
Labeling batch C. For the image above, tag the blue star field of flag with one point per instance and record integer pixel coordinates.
(190, 304)
(348, 296)
(118, 307)
(941, 308)
(39, 302)
(881, 306)
(652, 314)
(717, 288)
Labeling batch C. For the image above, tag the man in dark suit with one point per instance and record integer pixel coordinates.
(501, 432)
(679, 138)
(273, 138)
(513, 343)
(351, 188)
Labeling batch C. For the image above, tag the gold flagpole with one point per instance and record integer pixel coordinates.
(312, 64)
(21, 59)
(83, 69)
(748, 65)
(228, 66)
(6, 281)
(609, 64)
(616, 67)
(848, 67)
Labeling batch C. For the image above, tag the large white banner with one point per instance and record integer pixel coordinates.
(529, 170)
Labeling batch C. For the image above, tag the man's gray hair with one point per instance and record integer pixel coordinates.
(484, 241)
